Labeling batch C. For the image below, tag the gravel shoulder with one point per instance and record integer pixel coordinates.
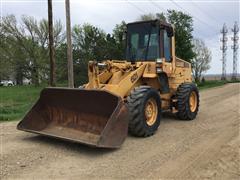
(206, 148)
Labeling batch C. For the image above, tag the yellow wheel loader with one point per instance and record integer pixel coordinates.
(122, 95)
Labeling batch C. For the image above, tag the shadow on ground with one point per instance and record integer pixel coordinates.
(52, 142)
(64, 144)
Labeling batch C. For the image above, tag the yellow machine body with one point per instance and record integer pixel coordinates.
(120, 77)
(96, 114)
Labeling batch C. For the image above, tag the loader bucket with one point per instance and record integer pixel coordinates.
(93, 117)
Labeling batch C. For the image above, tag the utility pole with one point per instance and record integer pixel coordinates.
(69, 45)
(235, 38)
(51, 46)
(224, 50)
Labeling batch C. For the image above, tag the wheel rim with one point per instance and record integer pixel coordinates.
(151, 112)
(193, 101)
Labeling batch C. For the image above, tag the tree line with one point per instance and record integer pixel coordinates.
(24, 49)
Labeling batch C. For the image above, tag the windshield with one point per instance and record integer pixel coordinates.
(142, 42)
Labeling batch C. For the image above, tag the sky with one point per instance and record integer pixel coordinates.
(208, 15)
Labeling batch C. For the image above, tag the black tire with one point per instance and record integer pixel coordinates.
(136, 103)
(183, 105)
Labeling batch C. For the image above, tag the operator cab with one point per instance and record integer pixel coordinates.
(149, 41)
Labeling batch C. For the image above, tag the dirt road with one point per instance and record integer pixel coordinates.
(207, 147)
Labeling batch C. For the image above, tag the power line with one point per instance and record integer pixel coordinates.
(132, 4)
(205, 12)
(162, 9)
(159, 7)
(203, 22)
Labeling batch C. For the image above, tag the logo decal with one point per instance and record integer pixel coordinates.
(134, 77)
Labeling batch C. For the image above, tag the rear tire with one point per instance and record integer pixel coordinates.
(187, 101)
(144, 105)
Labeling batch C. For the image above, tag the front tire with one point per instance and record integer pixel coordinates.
(187, 101)
(144, 105)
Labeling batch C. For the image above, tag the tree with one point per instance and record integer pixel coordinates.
(25, 46)
(61, 64)
(201, 62)
(6, 68)
(161, 17)
(183, 26)
(119, 39)
(89, 43)
(147, 17)
(13, 58)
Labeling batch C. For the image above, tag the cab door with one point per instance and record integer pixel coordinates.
(166, 50)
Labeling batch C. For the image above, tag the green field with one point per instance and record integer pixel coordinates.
(210, 84)
(16, 101)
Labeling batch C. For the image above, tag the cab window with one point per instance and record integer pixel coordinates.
(167, 46)
(143, 42)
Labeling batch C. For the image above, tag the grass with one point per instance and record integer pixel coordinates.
(16, 101)
(210, 84)
(214, 83)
